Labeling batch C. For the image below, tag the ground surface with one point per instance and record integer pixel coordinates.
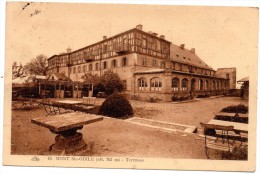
(113, 137)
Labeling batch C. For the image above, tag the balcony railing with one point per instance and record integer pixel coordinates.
(122, 48)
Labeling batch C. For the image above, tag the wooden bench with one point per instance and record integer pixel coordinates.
(217, 137)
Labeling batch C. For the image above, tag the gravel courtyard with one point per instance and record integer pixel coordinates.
(114, 137)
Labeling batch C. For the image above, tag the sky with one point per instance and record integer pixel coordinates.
(222, 36)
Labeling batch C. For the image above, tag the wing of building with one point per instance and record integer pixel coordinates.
(148, 65)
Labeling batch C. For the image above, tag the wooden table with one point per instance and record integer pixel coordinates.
(68, 140)
(237, 126)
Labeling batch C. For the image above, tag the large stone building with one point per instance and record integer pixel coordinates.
(148, 65)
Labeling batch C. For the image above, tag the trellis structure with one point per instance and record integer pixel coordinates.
(62, 89)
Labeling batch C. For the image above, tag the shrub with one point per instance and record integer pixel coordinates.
(175, 98)
(182, 98)
(236, 109)
(153, 99)
(203, 96)
(116, 106)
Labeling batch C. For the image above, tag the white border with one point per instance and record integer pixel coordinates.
(41, 170)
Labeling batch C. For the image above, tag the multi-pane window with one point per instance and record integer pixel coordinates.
(156, 84)
(79, 69)
(206, 85)
(142, 83)
(124, 61)
(154, 63)
(213, 85)
(104, 65)
(124, 84)
(217, 85)
(113, 63)
(90, 67)
(144, 61)
(184, 85)
(162, 64)
(200, 84)
(144, 42)
(97, 65)
(84, 68)
(175, 84)
(74, 70)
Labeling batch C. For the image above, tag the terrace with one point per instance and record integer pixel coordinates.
(125, 138)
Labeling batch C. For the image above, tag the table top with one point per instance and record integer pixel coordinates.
(63, 122)
(237, 126)
(70, 102)
(226, 114)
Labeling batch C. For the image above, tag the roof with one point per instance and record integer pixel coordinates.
(186, 56)
(246, 79)
(27, 79)
(60, 76)
(112, 37)
(157, 70)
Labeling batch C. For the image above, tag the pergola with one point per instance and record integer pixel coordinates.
(59, 85)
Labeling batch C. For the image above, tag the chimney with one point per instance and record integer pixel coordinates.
(162, 37)
(139, 27)
(182, 46)
(193, 50)
(104, 37)
(68, 50)
(227, 76)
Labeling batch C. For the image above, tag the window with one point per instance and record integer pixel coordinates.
(184, 85)
(144, 61)
(113, 63)
(156, 84)
(84, 68)
(162, 64)
(142, 83)
(79, 69)
(96, 66)
(124, 61)
(124, 84)
(90, 67)
(154, 63)
(175, 84)
(225, 85)
(74, 69)
(144, 43)
(104, 65)
(200, 84)
(213, 85)
(70, 70)
(206, 85)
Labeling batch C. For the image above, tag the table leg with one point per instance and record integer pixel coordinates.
(68, 142)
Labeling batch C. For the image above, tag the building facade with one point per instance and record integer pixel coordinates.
(148, 65)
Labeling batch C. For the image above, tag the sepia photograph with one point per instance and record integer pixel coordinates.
(136, 86)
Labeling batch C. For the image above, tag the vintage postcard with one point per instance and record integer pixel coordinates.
(130, 86)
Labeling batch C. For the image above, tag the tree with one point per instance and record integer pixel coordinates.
(17, 70)
(109, 82)
(91, 79)
(38, 65)
(112, 82)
